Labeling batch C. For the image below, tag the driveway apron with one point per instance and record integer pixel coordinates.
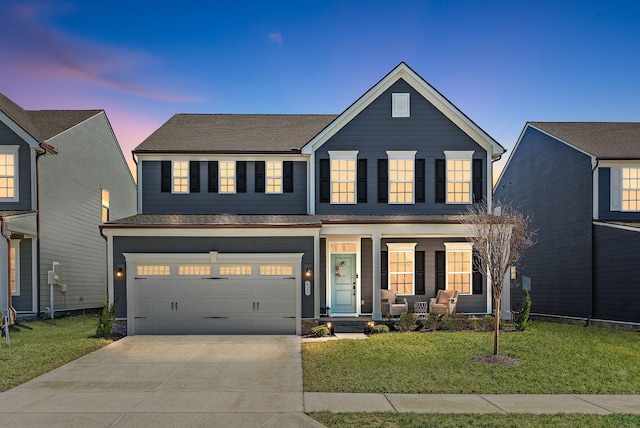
(138, 381)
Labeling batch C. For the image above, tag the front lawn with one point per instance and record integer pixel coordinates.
(41, 346)
(556, 359)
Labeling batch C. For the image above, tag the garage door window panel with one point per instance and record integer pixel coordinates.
(154, 270)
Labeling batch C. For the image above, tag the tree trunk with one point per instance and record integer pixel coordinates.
(496, 328)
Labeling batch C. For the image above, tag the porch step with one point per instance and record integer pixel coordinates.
(348, 328)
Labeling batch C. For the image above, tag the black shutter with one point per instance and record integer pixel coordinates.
(212, 176)
(441, 269)
(287, 174)
(419, 267)
(194, 176)
(383, 180)
(325, 180)
(441, 181)
(241, 177)
(477, 276)
(165, 176)
(477, 180)
(362, 180)
(384, 270)
(420, 180)
(259, 184)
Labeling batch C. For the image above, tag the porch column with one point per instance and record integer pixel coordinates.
(377, 309)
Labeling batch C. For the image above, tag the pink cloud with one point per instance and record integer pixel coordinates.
(30, 48)
(276, 37)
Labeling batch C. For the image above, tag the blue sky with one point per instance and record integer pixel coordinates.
(501, 62)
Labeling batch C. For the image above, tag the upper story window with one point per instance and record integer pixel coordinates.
(343, 177)
(180, 177)
(401, 271)
(9, 173)
(630, 189)
(459, 267)
(227, 177)
(105, 196)
(273, 176)
(458, 177)
(401, 177)
(400, 105)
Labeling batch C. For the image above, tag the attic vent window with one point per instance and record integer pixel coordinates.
(401, 105)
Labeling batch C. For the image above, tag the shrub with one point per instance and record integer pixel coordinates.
(446, 323)
(473, 323)
(521, 319)
(430, 322)
(106, 319)
(380, 328)
(408, 321)
(320, 330)
(459, 322)
(487, 323)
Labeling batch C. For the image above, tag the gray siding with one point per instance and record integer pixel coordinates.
(604, 201)
(272, 244)
(617, 269)
(23, 302)
(9, 138)
(203, 202)
(89, 159)
(374, 131)
(552, 182)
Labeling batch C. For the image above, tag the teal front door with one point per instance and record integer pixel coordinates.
(343, 283)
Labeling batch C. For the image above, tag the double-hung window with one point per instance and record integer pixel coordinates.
(459, 267)
(9, 173)
(630, 189)
(401, 270)
(401, 177)
(227, 177)
(180, 177)
(458, 177)
(343, 177)
(273, 176)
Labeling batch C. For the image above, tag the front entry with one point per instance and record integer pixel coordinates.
(343, 284)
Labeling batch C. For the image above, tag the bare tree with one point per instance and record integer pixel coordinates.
(499, 238)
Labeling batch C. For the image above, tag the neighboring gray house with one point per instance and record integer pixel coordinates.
(581, 182)
(62, 174)
(253, 223)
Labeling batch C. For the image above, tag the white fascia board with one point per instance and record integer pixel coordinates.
(593, 158)
(403, 71)
(213, 257)
(71, 127)
(398, 231)
(221, 156)
(33, 143)
(211, 232)
(622, 162)
(617, 226)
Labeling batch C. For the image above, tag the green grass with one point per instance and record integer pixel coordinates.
(407, 420)
(45, 345)
(556, 358)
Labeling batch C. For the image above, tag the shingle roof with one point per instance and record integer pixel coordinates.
(43, 124)
(235, 133)
(604, 140)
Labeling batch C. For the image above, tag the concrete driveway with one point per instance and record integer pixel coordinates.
(172, 381)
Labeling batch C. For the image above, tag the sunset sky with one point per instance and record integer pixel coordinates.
(501, 62)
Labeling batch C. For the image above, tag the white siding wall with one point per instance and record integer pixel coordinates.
(89, 159)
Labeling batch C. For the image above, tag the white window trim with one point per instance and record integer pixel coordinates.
(458, 155)
(173, 188)
(616, 188)
(15, 245)
(402, 247)
(235, 177)
(13, 150)
(267, 176)
(344, 155)
(458, 247)
(401, 105)
(402, 155)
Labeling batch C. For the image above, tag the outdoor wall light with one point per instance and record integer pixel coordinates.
(308, 273)
(119, 272)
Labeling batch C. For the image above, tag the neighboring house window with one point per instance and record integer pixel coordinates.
(458, 177)
(630, 189)
(401, 177)
(180, 177)
(274, 177)
(401, 270)
(459, 267)
(343, 177)
(14, 267)
(227, 177)
(105, 205)
(401, 105)
(9, 173)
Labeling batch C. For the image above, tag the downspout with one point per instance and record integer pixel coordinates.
(593, 247)
(12, 312)
(38, 274)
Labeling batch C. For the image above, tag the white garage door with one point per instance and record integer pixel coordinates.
(180, 298)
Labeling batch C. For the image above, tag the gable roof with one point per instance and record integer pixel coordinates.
(403, 71)
(235, 133)
(43, 125)
(604, 140)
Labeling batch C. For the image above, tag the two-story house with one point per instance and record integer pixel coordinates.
(581, 182)
(252, 223)
(62, 174)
